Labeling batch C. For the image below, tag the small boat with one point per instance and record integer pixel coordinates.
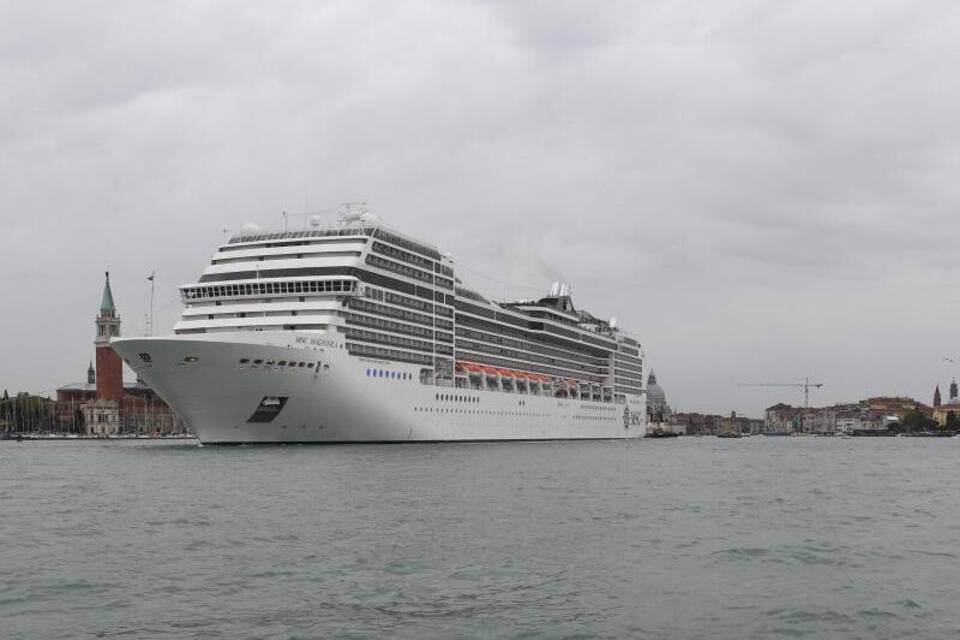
(729, 434)
(662, 433)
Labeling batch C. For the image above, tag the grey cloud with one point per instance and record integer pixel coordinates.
(756, 189)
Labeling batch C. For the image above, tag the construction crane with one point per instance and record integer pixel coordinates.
(806, 385)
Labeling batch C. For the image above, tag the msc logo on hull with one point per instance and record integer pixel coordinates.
(632, 418)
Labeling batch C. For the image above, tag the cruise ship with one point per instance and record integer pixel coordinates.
(355, 332)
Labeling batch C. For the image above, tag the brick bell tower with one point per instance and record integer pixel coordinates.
(109, 365)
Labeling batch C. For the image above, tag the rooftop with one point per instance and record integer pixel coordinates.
(92, 387)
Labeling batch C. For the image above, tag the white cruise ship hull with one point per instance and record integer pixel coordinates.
(345, 398)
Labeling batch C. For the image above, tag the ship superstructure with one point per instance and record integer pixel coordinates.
(356, 332)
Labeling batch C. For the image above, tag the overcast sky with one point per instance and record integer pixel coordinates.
(761, 191)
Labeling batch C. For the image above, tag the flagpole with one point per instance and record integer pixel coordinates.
(152, 279)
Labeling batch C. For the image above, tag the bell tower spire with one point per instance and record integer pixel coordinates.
(109, 374)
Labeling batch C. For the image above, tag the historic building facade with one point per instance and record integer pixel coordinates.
(658, 410)
(942, 412)
(104, 403)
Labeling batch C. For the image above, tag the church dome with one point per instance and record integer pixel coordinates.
(655, 394)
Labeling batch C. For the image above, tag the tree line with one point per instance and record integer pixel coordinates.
(917, 422)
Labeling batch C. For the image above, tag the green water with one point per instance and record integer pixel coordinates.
(687, 538)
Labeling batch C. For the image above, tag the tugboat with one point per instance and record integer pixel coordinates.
(662, 433)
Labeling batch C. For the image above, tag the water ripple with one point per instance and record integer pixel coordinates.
(779, 538)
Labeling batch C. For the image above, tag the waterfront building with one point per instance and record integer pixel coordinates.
(942, 412)
(101, 417)
(711, 424)
(821, 421)
(695, 424)
(658, 411)
(875, 414)
(781, 419)
(896, 406)
(849, 418)
(869, 421)
(105, 404)
(847, 423)
(739, 424)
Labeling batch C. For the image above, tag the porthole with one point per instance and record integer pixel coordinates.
(244, 360)
(281, 363)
